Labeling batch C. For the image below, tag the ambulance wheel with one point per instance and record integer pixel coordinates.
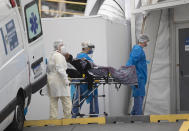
(18, 120)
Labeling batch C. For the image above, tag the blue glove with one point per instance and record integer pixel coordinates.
(147, 62)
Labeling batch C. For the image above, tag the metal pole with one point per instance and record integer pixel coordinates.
(78, 87)
(62, 12)
(88, 95)
(104, 98)
(143, 24)
(133, 33)
(67, 2)
(39, 4)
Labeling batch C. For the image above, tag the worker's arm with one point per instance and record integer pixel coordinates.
(61, 67)
(84, 56)
(135, 56)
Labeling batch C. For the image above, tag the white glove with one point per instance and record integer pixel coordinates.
(67, 82)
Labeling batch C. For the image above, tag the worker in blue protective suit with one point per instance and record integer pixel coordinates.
(138, 58)
(87, 50)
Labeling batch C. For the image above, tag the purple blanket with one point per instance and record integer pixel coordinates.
(125, 74)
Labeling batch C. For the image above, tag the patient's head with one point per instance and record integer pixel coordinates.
(68, 57)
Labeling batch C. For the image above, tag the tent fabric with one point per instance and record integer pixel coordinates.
(109, 9)
(89, 6)
(148, 2)
(158, 97)
(113, 10)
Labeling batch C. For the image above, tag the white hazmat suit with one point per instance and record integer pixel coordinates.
(58, 85)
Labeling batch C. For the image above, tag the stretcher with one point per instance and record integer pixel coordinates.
(95, 84)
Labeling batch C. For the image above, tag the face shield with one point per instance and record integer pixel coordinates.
(91, 49)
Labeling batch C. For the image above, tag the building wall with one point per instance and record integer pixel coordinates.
(181, 13)
(118, 54)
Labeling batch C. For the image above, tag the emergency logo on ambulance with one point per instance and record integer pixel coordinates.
(33, 21)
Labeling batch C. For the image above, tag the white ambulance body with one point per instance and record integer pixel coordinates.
(22, 64)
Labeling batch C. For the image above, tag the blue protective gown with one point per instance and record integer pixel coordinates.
(94, 109)
(138, 58)
(84, 55)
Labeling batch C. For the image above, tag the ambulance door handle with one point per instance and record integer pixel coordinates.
(6, 39)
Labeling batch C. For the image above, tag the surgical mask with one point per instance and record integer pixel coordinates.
(63, 50)
(90, 52)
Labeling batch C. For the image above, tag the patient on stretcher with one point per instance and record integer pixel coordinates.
(77, 67)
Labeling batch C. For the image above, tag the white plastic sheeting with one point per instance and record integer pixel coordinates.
(125, 4)
(157, 100)
(145, 2)
(158, 90)
(89, 7)
(181, 13)
(113, 10)
(148, 2)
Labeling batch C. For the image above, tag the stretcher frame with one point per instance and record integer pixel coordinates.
(96, 83)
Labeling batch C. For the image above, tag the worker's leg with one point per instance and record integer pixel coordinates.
(76, 106)
(140, 104)
(72, 91)
(137, 107)
(75, 109)
(53, 107)
(94, 108)
(67, 106)
(133, 109)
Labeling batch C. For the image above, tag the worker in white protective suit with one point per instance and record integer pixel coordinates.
(58, 83)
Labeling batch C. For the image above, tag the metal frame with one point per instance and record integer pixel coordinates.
(133, 23)
(81, 101)
(61, 12)
(97, 82)
(67, 2)
(177, 69)
(172, 52)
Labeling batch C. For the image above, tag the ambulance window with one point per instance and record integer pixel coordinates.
(12, 34)
(33, 21)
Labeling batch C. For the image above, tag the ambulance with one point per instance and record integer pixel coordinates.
(22, 64)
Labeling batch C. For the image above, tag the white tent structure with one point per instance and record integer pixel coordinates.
(166, 23)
